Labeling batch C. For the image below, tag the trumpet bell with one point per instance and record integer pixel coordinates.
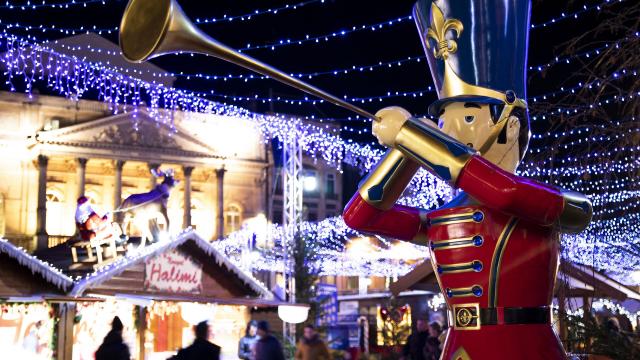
(145, 25)
(151, 28)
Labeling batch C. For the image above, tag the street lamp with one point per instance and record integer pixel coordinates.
(293, 314)
(310, 182)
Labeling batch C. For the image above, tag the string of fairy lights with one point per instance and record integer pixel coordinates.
(29, 63)
(272, 45)
(43, 4)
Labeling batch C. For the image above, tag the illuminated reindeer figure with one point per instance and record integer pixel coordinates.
(144, 207)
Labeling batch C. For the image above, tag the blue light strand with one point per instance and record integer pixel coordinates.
(580, 130)
(575, 14)
(326, 37)
(588, 53)
(618, 74)
(53, 28)
(249, 16)
(309, 75)
(615, 99)
(108, 30)
(307, 38)
(32, 6)
(312, 101)
(588, 140)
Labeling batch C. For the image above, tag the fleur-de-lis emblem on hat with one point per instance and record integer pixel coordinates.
(438, 31)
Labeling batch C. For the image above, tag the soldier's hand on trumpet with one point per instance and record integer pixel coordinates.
(390, 120)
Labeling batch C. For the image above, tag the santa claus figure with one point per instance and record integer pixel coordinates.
(90, 224)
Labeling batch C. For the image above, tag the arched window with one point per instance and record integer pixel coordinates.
(54, 196)
(201, 217)
(232, 218)
(59, 215)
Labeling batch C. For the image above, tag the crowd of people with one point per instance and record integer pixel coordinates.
(257, 344)
(425, 343)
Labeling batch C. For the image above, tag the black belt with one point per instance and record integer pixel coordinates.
(514, 315)
(470, 316)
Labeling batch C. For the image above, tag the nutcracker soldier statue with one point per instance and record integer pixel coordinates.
(495, 246)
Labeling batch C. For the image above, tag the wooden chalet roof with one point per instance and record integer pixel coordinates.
(23, 275)
(223, 281)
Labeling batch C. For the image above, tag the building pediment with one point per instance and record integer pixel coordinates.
(137, 132)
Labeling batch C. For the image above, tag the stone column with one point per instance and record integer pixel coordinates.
(186, 220)
(81, 170)
(153, 180)
(42, 238)
(220, 201)
(117, 188)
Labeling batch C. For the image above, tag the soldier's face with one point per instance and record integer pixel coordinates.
(471, 124)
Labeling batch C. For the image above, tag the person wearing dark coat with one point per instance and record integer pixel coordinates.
(432, 346)
(267, 347)
(201, 349)
(113, 346)
(413, 350)
(248, 341)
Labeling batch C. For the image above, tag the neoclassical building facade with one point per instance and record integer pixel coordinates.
(55, 150)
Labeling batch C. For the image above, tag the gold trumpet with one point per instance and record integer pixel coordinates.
(152, 28)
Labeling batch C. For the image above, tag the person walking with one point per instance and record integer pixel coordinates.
(414, 348)
(248, 341)
(113, 346)
(432, 349)
(202, 348)
(311, 347)
(267, 346)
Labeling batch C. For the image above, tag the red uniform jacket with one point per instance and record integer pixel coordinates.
(494, 249)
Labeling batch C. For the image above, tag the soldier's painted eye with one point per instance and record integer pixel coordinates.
(469, 119)
(440, 123)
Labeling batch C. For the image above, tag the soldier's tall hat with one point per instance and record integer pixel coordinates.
(476, 49)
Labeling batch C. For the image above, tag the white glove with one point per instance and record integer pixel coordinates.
(388, 126)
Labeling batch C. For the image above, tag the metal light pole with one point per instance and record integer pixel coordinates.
(292, 212)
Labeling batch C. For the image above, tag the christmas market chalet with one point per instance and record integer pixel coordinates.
(54, 309)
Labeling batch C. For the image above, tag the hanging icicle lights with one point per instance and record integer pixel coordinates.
(624, 73)
(331, 240)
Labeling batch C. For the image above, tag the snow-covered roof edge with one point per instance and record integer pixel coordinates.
(37, 266)
(117, 267)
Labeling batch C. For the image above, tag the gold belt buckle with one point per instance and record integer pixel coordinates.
(466, 316)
